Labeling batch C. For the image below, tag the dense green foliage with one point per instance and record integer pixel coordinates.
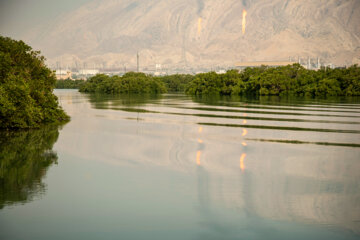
(211, 83)
(69, 84)
(26, 85)
(288, 80)
(136, 83)
(129, 83)
(291, 80)
(176, 82)
(24, 158)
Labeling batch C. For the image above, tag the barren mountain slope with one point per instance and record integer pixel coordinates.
(202, 33)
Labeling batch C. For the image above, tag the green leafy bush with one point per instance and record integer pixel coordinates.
(26, 85)
(176, 82)
(291, 80)
(129, 83)
(69, 84)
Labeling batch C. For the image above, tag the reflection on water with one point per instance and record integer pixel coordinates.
(200, 148)
(244, 133)
(276, 102)
(314, 181)
(25, 157)
(103, 101)
(280, 182)
(242, 158)
(176, 167)
(198, 156)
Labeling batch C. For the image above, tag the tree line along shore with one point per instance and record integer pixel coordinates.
(27, 99)
(291, 80)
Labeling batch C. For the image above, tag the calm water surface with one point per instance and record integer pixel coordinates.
(173, 167)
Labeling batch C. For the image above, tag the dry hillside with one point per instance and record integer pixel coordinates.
(202, 32)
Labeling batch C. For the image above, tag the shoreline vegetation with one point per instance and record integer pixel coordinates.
(69, 84)
(131, 82)
(291, 80)
(27, 99)
(26, 88)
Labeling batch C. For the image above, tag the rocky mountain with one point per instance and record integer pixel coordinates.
(201, 33)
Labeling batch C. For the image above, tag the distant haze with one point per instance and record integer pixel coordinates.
(185, 33)
(19, 16)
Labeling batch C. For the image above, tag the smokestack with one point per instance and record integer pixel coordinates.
(309, 64)
(199, 26)
(244, 13)
(318, 63)
(183, 54)
(137, 62)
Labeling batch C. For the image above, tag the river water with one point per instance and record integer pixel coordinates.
(176, 167)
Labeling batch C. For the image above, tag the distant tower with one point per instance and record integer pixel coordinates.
(137, 62)
(158, 67)
(183, 53)
(77, 65)
(318, 63)
(309, 64)
(299, 59)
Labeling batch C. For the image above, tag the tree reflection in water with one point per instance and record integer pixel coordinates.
(25, 157)
(119, 101)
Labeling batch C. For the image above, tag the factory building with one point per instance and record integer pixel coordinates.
(243, 65)
(63, 74)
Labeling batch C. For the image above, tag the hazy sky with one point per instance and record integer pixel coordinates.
(17, 16)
